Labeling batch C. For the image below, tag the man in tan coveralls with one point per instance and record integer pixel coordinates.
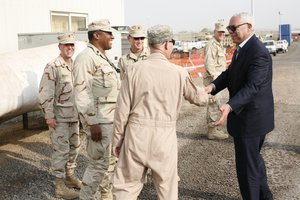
(96, 85)
(144, 137)
(215, 64)
(137, 52)
(57, 103)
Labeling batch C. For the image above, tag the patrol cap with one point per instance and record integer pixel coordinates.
(100, 25)
(137, 31)
(66, 38)
(159, 33)
(220, 27)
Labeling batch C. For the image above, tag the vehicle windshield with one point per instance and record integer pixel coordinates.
(268, 43)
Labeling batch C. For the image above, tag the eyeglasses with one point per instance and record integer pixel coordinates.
(234, 27)
(172, 41)
(70, 44)
(138, 38)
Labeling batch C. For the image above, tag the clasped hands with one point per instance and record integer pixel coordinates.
(225, 109)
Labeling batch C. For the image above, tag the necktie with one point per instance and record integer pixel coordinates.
(238, 48)
(234, 55)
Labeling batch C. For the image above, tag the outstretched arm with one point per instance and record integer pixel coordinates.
(225, 110)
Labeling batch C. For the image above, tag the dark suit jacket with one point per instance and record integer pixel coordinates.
(249, 81)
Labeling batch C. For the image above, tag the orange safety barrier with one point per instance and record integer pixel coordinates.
(193, 60)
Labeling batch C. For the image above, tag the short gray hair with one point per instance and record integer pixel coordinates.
(158, 34)
(246, 18)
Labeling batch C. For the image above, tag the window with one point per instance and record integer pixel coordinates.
(68, 22)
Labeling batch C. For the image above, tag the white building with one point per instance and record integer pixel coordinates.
(32, 23)
(44, 16)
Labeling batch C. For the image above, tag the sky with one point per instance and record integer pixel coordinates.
(194, 15)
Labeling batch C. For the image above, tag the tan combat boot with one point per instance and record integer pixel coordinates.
(71, 180)
(215, 134)
(62, 191)
(106, 187)
(106, 195)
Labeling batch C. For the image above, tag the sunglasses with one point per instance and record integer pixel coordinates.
(172, 41)
(138, 38)
(234, 27)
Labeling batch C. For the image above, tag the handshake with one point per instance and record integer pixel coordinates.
(225, 109)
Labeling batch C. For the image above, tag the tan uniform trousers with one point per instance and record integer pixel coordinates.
(66, 143)
(153, 145)
(106, 184)
(213, 113)
(213, 110)
(96, 173)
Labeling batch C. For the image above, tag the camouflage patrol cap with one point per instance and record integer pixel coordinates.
(220, 27)
(137, 31)
(100, 25)
(159, 33)
(66, 38)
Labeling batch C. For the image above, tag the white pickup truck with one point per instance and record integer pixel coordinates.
(282, 46)
(271, 46)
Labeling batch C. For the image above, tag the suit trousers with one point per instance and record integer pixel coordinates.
(250, 168)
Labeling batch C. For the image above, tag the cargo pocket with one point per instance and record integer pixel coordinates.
(95, 149)
(65, 91)
(207, 79)
(108, 76)
(64, 111)
(221, 57)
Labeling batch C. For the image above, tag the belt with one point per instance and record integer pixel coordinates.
(151, 122)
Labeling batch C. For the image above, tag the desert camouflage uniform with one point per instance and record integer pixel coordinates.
(96, 86)
(57, 102)
(129, 59)
(215, 64)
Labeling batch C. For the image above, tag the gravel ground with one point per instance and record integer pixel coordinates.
(206, 168)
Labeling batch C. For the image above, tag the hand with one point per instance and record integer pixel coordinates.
(51, 123)
(116, 151)
(225, 109)
(96, 132)
(208, 89)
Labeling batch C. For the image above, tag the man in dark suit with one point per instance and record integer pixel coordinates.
(250, 109)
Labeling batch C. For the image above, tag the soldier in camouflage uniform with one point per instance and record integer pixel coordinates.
(137, 50)
(57, 103)
(215, 64)
(96, 86)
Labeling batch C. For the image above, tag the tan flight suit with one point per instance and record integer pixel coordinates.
(129, 59)
(215, 64)
(151, 95)
(57, 102)
(96, 87)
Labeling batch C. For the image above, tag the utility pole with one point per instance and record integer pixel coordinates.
(252, 8)
(279, 26)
